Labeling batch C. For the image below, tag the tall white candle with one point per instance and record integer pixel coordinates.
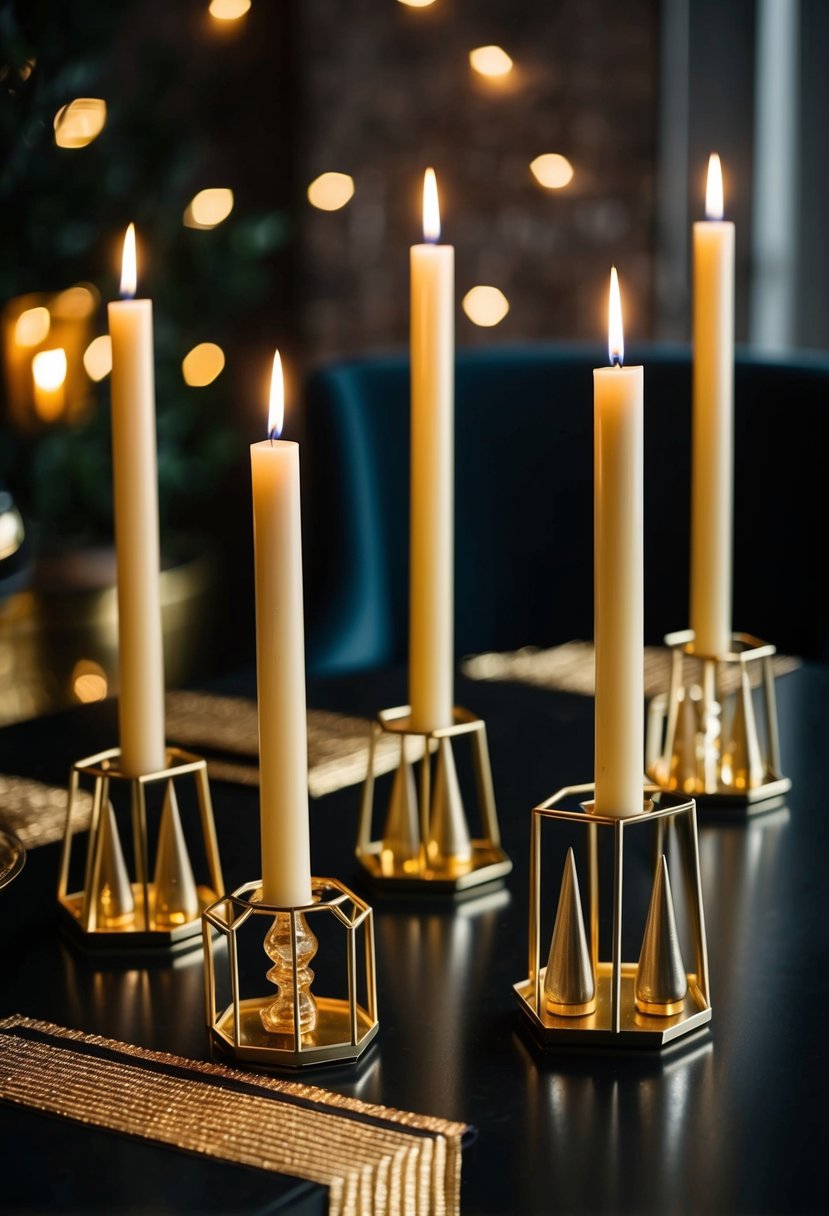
(713, 423)
(431, 564)
(135, 491)
(280, 662)
(618, 574)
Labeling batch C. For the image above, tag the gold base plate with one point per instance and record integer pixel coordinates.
(329, 1043)
(635, 1029)
(128, 936)
(741, 804)
(488, 864)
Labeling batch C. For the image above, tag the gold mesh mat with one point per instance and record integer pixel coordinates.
(337, 743)
(571, 668)
(373, 1159)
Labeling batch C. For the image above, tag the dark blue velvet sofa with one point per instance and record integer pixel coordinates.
(524, 513)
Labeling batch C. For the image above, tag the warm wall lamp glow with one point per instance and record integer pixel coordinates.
(97, 358)
(331, 191)
(485, 306)
(32, 326)
(228, 10)
(552, 170)
(49, 368)
(202, 364)
(79, 122)
(490, 61)
(209, 207)
(49, 376)
(89, 681)
(417, 3)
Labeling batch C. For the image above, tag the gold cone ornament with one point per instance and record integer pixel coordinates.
(684, 754)
(448, 845)
(661, 982)
(742, 765)
(401, 834)
(114, 901)
(176, 897)
(569, 984)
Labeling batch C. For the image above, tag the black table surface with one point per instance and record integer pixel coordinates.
(731, 1120)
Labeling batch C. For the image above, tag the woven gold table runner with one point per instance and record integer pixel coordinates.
(571, 668)
(373, 1159)
(337, 743)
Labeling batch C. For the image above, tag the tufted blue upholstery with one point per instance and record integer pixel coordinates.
(524, 514)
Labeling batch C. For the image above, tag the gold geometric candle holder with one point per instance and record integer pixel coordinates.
(123, 907)
(579, 998)
(426, 844)
(710, 737)
(291, 1028)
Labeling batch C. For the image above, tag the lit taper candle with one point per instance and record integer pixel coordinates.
(431, 564)
(618, 576)
(135, 492)
(713, 423)
(280, 662)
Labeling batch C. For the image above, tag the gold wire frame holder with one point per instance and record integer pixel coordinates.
(138, 930)
(616, 1022)
(487, 862)
(731, 767)
(344, 1028)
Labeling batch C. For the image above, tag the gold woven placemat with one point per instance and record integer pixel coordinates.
(36, 812)
(337, 757)
(337, 743)
(571, 668)
(373, 1159)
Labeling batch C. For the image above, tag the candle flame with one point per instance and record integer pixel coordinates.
(615, 336)
(276, 410)
(713, 189)
(431, 207)
(129, 271)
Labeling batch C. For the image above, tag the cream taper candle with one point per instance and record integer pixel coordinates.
(431, 562)
(135, 491)
(712, 472)
(619, 576)
(280, 663)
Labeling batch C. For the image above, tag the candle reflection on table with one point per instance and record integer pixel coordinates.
(155, 1005)
(430, 1001)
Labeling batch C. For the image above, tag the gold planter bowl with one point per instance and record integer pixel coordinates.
(59, 636)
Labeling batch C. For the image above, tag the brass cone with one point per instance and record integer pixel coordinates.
(569, 985)
(661, 983)
(176, 898)
(114, 901)
(448, 846)
(401, 834)
(684, 774)
(742, 764)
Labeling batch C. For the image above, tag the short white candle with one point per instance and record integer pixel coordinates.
(431, 563)
(280, 662)
(135, 489)
(713, 424)
(619, 582)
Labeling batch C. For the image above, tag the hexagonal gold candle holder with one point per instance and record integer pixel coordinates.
(339, 1029)
(710, 738)
(126, 909)
(614, 1009)
(426, 846)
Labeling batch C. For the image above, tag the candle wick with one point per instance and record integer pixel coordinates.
(615, 360)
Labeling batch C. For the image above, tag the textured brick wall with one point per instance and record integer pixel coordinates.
(388, 90)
